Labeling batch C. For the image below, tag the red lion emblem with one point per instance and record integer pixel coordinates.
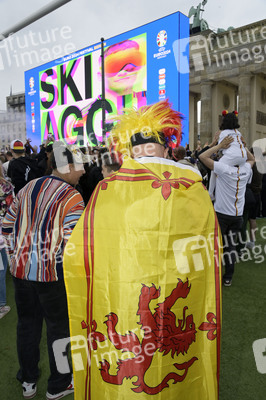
(160, 333)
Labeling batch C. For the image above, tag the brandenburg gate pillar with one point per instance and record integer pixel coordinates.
(206, 112)
(244, 92)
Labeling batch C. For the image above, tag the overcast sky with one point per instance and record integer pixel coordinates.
(80, 23)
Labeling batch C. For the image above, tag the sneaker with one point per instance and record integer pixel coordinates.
(227, 282)
(29, 390)
(4, 310)
(69, 390)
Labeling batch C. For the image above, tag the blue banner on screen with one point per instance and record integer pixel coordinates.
(142, 66)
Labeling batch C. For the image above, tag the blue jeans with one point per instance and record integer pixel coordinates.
(3, 268)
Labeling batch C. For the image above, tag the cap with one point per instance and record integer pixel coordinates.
(17, 145)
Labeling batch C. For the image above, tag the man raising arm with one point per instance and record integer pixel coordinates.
(225, 143)
(229, 200)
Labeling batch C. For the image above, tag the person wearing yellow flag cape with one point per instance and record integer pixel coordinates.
(142, 271)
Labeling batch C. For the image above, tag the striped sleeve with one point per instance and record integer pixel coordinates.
(73, 210)
(8, 225)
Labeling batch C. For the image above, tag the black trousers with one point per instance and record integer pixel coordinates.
(36, 301)
(230, 226)
(263, 197)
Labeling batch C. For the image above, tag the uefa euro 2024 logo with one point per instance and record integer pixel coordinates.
(162, 38)
(31, 82)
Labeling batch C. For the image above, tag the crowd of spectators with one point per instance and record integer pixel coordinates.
(23, 163)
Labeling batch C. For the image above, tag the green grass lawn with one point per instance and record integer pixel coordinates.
(244, 321)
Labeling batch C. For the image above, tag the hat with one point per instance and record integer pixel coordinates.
(17, 145)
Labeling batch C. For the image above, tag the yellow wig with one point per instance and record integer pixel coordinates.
(158, 121)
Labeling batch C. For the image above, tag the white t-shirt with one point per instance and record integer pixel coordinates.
(230, 188)
(235, 154)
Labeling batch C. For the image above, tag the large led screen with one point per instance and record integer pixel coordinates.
(142, 66)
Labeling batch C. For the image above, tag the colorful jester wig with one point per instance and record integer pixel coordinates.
(157, 123)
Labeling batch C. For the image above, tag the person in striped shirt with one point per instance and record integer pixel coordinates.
(37, 227)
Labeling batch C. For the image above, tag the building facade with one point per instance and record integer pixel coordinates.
(13, 120)
(228, 71)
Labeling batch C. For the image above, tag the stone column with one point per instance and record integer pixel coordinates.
(193, 126)
(244, 92)
(206, 112)
(197, 98)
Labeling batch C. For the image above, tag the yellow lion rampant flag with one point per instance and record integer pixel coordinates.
(142, 271)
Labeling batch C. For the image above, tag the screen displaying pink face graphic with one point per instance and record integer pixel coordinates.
(142, 66)
(124, 63)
